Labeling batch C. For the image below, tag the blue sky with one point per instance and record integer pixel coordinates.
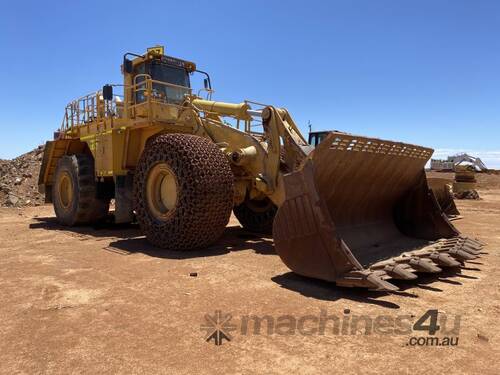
(426, 72)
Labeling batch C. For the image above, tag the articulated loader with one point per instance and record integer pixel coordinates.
(354, 210)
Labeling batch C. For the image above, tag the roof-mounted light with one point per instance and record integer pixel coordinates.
(156, 51)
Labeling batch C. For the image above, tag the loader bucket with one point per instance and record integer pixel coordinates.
(359, 212)
(441, 187)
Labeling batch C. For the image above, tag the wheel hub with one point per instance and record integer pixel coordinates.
(65, 189)
(161, 191)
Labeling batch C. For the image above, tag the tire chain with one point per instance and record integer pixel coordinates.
(205, 192)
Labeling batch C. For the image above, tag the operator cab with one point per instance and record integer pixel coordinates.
(168, 77)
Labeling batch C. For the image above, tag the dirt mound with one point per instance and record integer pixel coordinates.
(19, 180)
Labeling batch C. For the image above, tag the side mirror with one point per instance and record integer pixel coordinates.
(107, 92)
(205, 83)
(127, 65)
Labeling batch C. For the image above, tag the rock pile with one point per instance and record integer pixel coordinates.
(19, 180)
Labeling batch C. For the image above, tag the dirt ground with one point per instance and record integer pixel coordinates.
(92, 300)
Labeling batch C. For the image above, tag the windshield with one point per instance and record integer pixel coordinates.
(169, 74)
(164, 73)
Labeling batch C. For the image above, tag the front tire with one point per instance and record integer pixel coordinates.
(183, 192)
(74, 193)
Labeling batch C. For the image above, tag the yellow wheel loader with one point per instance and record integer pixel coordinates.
(354, 210)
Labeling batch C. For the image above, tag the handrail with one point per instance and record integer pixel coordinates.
(154, 91)
(90, 108)
(149, 79)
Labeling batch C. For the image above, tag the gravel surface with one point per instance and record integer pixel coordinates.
(87, 300)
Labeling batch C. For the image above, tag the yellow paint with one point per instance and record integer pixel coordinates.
(156, 51)
(116, 132)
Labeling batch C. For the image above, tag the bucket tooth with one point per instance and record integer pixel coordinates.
(462, 255)
(473, 241)
(398, 271)
(471, 244)
(470, 250)
(424, 265)
(379, 284)
(444, 260)
(373, 280)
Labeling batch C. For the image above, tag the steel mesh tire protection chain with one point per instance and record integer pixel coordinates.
(256, 216)
(82, 206)
(204, 192)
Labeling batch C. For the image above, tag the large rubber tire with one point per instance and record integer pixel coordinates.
(74, 193)
(256, 215)
(204, 193)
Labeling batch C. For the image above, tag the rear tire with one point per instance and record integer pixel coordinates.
(183, 192)
(74, 193)
(256, 215)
